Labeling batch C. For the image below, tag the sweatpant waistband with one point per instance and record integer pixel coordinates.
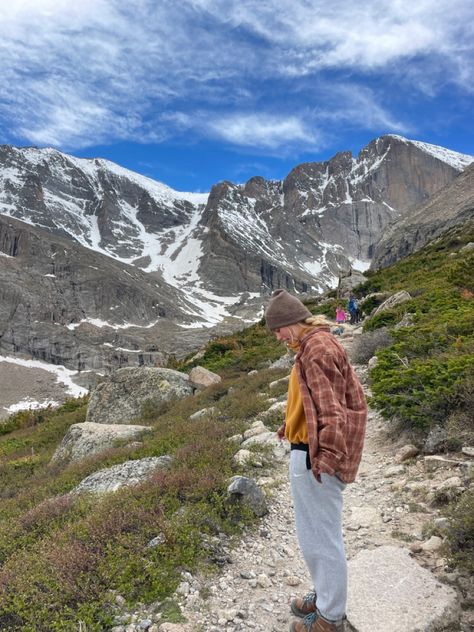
(304, 447)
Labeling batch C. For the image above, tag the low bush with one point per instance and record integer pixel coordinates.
(61, 555)
(422, 378)
(460, 532)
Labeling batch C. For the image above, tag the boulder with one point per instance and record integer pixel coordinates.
(279, 448)
(436, 440)
(372, 363)
(258, 427)
(246, 491)
(282, 380)
(202, 377)
(285, 362)
(120, 398)
(122, 475)
(389, 591)
(204, 412)
(436, 462)
(275, 409)
(407, 321)
(395, 299)
(348, 282)
(88, 438)
(407, 452)
(243, 457)
(433, 544)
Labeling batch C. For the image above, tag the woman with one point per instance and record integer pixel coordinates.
(325, 423)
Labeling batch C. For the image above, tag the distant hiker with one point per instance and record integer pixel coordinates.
(325, 423)
(353, 308)
(340, 320)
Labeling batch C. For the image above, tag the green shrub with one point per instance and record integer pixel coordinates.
(384, 319)
(460, 533)
(420, 392)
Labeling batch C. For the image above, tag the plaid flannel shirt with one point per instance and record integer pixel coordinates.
(334, 405)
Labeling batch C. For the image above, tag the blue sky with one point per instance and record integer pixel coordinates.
(198, 91)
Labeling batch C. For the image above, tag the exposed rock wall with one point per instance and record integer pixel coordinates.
(451, 206)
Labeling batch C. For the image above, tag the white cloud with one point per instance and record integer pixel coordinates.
(102, 70)
(264, 130)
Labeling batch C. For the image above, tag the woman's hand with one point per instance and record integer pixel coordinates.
(281, 432)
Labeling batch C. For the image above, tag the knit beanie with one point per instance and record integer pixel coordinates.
(284, 309)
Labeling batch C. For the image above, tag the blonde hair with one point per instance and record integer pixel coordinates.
(307, 325)
(318, 320)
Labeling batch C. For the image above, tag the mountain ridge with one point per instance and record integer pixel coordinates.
(206, 258)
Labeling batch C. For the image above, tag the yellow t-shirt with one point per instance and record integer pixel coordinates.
(296, 429)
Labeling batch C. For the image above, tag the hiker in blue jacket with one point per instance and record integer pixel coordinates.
(353, 309)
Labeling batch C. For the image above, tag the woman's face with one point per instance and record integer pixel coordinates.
(288, 334)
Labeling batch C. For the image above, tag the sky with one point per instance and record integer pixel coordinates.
(197, 91)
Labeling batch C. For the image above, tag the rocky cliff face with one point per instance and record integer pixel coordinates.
(101, 267)
(65, 304)
(452, 205)
(299, 232)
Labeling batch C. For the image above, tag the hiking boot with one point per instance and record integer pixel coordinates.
(302, 606)
(314, 622)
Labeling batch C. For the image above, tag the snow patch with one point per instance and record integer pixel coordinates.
(64, 375)
(453, 158)
(97, 322)
(30, 404)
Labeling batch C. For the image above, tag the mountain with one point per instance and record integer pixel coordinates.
(451, 206)
(65, 304)
(106, 267)
(322, 217)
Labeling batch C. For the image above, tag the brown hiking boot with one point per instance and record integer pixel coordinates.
(302, 606)
(315, 623)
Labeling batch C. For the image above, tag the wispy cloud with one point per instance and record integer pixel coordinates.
(241, 70)
(263, 130)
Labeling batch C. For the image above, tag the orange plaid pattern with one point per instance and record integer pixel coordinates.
(334, 405)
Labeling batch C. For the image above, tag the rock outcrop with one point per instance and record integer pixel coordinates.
(244, 490)
(88, 438)
(120, 398)
(396, 299)
(451, 206)
(387, 585)
(202, 377)
(123, 475)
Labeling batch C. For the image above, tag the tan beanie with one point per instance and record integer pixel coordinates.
(285, 309)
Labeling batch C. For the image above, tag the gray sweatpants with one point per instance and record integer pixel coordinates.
(318, 516)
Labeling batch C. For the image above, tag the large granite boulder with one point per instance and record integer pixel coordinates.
(243, 490)
(389, 591)
(123, 475)
(120, 398)
(396, 299)
(202, 377)
(84, 440)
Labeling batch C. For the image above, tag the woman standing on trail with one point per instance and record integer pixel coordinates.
(325, 423)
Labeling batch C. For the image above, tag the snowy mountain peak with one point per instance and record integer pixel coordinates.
(92, 167)
(453, 158)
